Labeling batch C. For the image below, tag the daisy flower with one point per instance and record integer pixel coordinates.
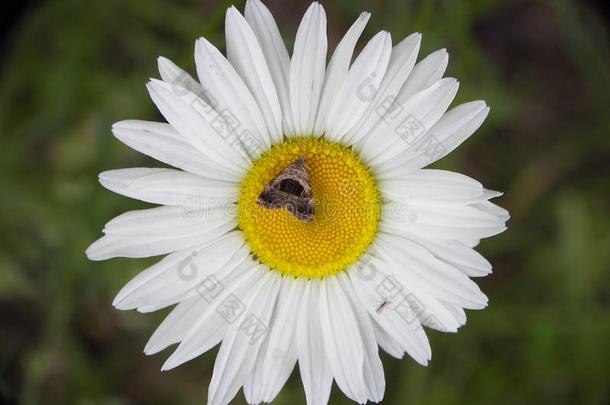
(301, 225)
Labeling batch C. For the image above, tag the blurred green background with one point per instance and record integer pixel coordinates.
(70, 68)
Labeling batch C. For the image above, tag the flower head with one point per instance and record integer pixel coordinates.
(301, 224)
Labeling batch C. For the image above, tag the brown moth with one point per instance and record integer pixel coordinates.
(290, 190)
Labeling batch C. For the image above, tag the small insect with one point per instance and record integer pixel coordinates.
(382, 306)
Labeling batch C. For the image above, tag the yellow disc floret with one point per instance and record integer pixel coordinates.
(347, 209)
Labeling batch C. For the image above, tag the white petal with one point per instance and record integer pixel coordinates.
(204, 338)
(160, 230)
(278, 355)
(213, 322)
(392, 285)
(457, 312)
(182, 83)
(493, 209)
(240, 347)
(436, 187)
(145, 309)
(463, 257)
(168, 187)
(447, 222)
(342, 340)
(471, 242)
(234, 102)
(409, 123)
(447, 134)
(313, 363)
(193, 118)
(307, 69)
(400, 66)
(433, 313)
(246, 56)
(161, 141)
(337, 70)
(181, 272)
(430, 275)
(360, 87)
(174, 75)
(276, 55)
(372, 283)
(388, 343)
(176, 325)
(425, 73)
(372, 367)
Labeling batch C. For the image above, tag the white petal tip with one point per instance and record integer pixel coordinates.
(451, 80)
(232, 13)
(103, 175)
(105, 178)
(122, 305)
(151, 349)
(121, 301)
(478, 105)
(95, 251)
(480, 305)
(155, 81)
(200, 44)
(494, 194)
(315, 6)
(120, 125)
(254, 3)
(170, 364)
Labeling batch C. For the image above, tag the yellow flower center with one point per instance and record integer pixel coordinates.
(346, 203)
